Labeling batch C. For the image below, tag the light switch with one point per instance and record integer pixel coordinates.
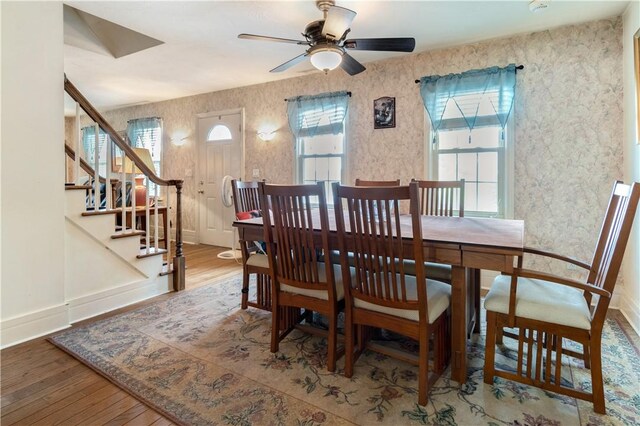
(188, 173)
(256, 173)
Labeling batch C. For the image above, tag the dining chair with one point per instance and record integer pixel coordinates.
(548, 310)
(246, 202)
(295, 246)
(380, 293)
(335, 255)
(440, 198)
(360, 182)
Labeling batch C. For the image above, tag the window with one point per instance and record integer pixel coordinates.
(318, 124)
(147, 133)
(481, 158)
(219, 132)
(88, 144)
(472, 136)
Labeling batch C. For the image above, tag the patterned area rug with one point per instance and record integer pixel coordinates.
(199, 359)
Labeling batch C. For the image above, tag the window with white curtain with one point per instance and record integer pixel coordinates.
(88, 144)
(318, 124)
(472, 136)
(147, 133)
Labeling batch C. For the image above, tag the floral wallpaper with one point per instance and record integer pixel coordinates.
(568, 114)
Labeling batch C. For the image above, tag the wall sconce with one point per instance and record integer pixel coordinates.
(267, 135)
(178, 141)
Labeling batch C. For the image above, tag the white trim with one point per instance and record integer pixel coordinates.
(98, 303)
(35, 324)
(188, 236)
(487, 277)
(631, 312)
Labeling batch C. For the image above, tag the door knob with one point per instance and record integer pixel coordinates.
(201, 192)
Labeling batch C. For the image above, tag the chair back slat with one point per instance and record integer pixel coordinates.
(296, 215)
(245, 196)
(362, 182)
(441, 198)
(614, 235)
(370, 228)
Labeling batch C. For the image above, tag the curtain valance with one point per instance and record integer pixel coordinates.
(306, 113)
(487, 94)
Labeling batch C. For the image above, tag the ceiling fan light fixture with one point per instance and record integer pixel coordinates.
(326, 58)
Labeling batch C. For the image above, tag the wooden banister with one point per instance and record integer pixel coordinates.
(115, 137)
(83, 163)
(178, 260)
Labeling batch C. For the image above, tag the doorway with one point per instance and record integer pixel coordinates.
(220, 153)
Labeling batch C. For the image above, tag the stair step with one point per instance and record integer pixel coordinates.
(166, 270)
(83, 187)
(152, 252)
(127, 233)
(101, 212)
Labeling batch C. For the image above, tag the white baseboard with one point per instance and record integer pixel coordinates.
(631, 312)
(26, 327)
(188, 236)
(486, 278)
(95, 304)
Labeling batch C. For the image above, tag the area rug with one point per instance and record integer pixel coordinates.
(201, 360)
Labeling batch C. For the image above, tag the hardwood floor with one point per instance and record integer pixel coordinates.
(42, 385)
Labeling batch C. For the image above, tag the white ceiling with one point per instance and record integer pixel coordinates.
(201, 52)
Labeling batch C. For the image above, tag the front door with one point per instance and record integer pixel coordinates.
(220, 154)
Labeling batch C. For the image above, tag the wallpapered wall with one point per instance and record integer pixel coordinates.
(569, 125)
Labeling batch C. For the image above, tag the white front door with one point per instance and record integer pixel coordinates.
(220, 153)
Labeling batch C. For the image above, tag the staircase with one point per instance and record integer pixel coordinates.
(112, 259)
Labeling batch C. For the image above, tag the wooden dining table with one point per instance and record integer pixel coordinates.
(468, 245)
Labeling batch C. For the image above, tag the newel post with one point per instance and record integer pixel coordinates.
(178, 260)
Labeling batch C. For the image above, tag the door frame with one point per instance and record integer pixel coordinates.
(199, 148)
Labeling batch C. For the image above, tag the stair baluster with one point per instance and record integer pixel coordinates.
(146, 219)
(155, 220)
(77, 146)
(107, 174)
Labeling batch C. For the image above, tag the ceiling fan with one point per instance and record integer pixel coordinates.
(328, 43)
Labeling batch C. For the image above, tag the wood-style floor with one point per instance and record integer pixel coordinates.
(42, 385)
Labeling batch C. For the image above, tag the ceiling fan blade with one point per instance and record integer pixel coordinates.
(290, 63)
(397, 44)
(267, 38)
(338, 21)
(350, 65)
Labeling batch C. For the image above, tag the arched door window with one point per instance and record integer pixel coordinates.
(219, 132)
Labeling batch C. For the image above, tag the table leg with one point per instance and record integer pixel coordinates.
(458, 324)
(476, 297)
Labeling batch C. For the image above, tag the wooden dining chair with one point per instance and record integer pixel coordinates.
(361, 182)
(440, 198)
(380, 293)
(548, 310)
(246, 202)
(296, 244)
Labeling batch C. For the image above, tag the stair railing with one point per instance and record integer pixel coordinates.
(112, 137)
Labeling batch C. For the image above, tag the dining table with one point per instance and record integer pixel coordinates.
(468, 244)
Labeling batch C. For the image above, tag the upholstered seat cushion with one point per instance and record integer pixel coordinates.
(434, 271)
(322, 275)
(258, 259)
(438, 299)
(540, 300)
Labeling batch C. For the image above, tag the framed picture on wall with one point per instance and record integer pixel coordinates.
(384, 113)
